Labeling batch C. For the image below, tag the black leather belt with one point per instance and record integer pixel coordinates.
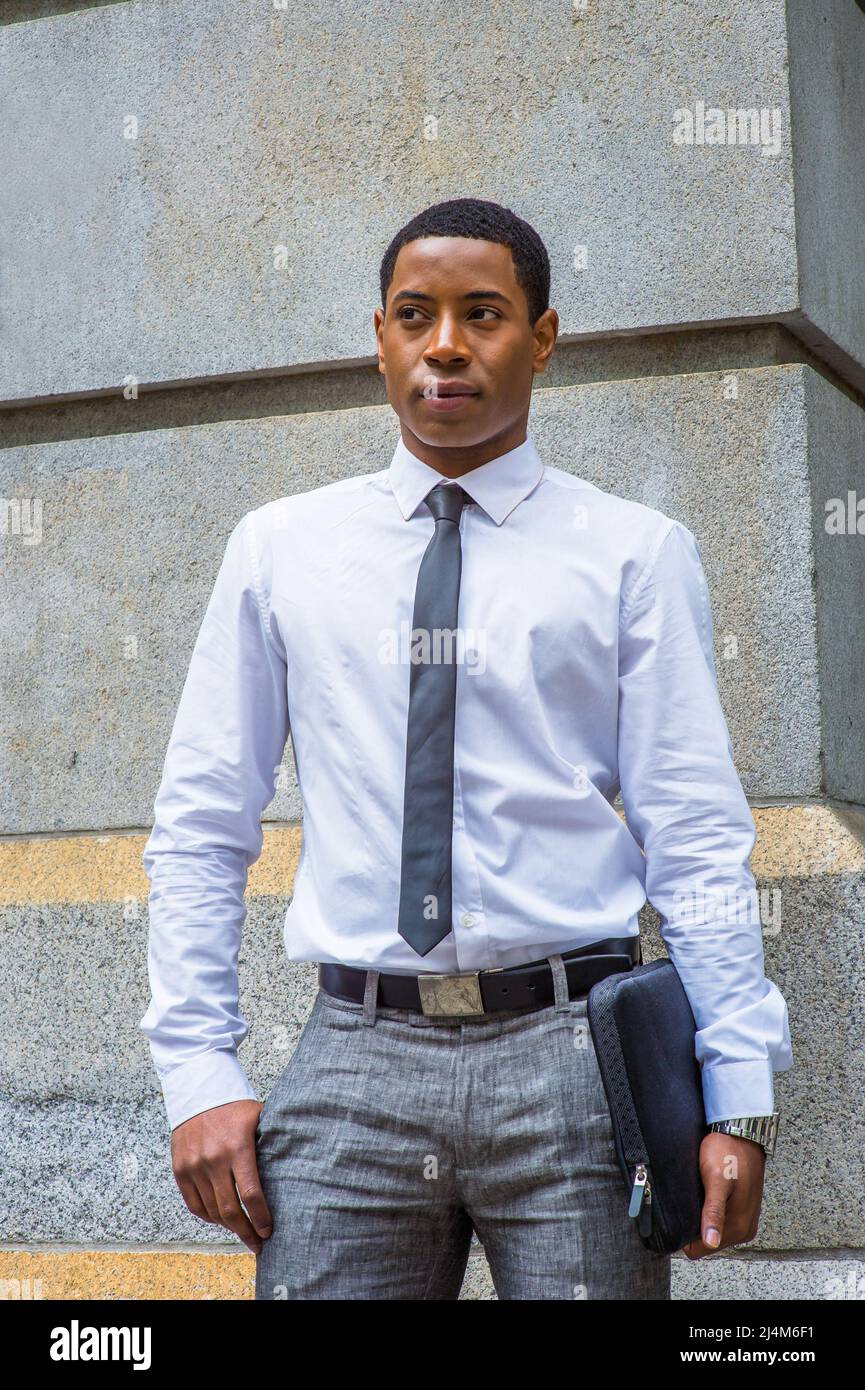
(486, 991)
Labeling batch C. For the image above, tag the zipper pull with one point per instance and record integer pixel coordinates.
(638, 1190)
(644, 1220)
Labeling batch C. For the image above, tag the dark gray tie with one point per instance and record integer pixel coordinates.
(428, 809)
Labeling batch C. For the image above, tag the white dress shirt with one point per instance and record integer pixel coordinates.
(584, 667)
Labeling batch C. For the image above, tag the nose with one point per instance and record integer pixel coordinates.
(446, 342)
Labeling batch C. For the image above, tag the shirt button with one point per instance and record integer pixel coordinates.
(467, 919)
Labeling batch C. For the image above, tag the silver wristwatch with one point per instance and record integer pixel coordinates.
(763, 1129)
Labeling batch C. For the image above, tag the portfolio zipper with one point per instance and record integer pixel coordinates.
(641, 1190)
(648, 1217)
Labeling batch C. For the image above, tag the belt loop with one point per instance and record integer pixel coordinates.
(560, 983)
(370, 997)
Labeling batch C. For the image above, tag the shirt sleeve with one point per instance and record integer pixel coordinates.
(220, 773)
(685, 806)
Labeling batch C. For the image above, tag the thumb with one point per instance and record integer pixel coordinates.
(712, 1219)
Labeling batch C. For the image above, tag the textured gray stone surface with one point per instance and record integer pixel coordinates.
(827, 97)
(815, 1194)
(103, 612)
(93, 1174)
(836, 454)
(20, 11)
(724, 1277)
(75, 988)
(307, 128)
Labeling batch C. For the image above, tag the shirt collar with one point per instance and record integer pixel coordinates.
(497, 486)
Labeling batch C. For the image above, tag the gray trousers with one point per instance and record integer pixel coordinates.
(390, 1135)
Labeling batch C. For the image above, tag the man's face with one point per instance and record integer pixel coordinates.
(457, 320)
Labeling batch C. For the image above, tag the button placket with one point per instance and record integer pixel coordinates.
(468, 907)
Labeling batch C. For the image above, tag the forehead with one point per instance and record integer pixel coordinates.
(458, 264)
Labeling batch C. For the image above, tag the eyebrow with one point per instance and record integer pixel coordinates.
(472, 294)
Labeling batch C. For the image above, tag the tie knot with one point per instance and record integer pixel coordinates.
(446, 501)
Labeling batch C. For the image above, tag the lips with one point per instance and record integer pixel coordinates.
(447, 388)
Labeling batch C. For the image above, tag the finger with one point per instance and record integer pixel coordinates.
(250, 1191)
(193, 1198)
(717, 1190)
(696, 1249)
(231, 1213)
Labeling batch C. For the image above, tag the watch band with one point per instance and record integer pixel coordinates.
(763, 1129)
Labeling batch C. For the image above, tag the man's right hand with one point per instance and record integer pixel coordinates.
(215, 1166)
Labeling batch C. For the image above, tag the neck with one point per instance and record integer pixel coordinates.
(457, 461)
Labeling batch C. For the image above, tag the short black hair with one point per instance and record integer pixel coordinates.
(475, 217)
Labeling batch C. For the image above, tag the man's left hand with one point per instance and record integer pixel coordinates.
(732, 1171)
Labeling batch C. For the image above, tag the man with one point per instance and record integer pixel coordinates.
(474, 652)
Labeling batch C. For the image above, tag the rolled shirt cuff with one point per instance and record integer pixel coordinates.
(210, 1079)
(733, 1089)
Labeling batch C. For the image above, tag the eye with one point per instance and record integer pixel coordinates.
(485, 309)
(407, 308)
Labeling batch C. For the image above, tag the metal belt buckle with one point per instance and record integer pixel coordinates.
(451, 994)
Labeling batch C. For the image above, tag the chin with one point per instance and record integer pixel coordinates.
(446, 430)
